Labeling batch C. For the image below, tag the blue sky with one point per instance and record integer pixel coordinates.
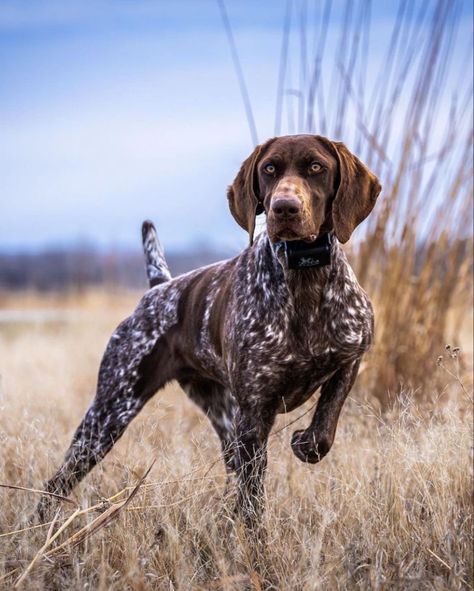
(116, 110)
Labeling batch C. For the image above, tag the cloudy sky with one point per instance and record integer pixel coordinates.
(116, 110)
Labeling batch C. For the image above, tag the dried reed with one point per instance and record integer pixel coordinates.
(411, 122)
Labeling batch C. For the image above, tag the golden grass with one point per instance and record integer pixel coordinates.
(389, 508)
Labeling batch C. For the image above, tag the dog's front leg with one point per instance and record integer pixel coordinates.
(312, 444)
(253, 426)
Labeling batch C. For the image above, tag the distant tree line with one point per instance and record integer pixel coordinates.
(79, 268)
(82, 267)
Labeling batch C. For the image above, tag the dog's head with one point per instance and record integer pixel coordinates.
(307, 185)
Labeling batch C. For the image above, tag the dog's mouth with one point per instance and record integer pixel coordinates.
(302, 229)
(309, 238)
(289, 235)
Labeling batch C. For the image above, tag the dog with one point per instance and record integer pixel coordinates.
(253, 336)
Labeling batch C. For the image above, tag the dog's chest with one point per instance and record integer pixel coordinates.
(287, 372)
(291, 336)
(326, 334)
(287, 348)
(292, 346)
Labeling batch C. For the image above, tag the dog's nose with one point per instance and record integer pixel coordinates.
(286, 207)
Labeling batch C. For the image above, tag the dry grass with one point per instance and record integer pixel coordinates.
(390, 508)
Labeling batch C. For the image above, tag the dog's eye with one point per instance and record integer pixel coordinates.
(315, 167)
(269, 168)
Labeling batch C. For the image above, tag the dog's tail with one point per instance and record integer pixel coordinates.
(157, 270)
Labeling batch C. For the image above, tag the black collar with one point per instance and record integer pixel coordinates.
(302, 255)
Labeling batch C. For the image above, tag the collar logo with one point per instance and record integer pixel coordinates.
(308, 262)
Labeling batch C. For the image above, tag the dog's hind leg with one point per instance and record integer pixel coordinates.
(133, 368)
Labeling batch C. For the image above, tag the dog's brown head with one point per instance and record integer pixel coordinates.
(307, 185)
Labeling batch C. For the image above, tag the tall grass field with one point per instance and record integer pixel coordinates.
(391, 506)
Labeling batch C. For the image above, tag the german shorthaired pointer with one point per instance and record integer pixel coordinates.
(253, 336)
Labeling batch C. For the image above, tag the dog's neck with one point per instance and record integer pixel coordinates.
(304, 284)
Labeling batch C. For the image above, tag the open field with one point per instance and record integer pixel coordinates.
(391, 505)
(389, 508)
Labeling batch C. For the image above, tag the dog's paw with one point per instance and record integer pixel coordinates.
(308, 447)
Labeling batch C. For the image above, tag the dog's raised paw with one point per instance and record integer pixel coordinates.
(308, 447)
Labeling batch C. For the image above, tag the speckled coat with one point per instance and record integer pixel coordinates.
(246, 339)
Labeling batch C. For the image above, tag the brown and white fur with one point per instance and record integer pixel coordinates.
(247, 338)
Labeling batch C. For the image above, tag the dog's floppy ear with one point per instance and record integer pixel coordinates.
(355, 198)
(243, 194)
